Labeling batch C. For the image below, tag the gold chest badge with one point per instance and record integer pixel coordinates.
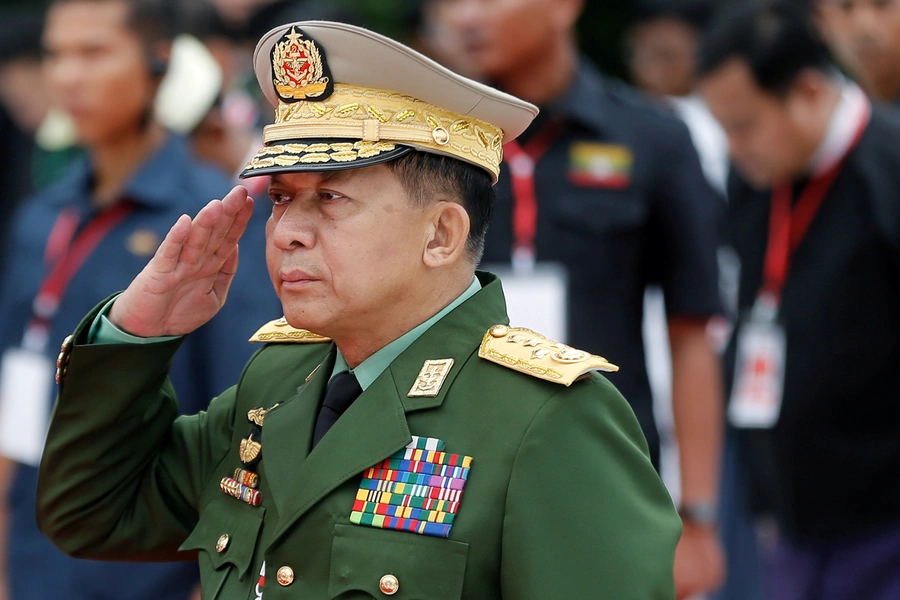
(431, 378)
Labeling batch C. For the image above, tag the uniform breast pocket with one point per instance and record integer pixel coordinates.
(374, 563)
(226, 537)
(599, 211)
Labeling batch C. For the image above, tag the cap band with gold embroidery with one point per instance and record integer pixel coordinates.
(345, 97)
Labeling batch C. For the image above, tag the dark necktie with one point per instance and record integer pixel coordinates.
(343, 389)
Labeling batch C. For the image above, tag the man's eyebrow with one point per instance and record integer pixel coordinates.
(324, 176)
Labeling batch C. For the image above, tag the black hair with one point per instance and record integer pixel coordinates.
(20, 34)
(425, 176)
(776, 38)
(201, 19)
(696, 13)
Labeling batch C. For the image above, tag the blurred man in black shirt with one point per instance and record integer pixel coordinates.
(815, 218)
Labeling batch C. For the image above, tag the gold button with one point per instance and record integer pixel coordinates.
(389, 585)
(441, 136)
(499, 330)
(222, 544)
(285, 576)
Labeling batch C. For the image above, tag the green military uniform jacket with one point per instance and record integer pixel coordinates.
(561, 500)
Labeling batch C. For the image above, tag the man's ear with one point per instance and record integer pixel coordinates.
(446, 234)
(158, 57)
(809, 86)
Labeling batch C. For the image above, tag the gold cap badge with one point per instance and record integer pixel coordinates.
(299, 69)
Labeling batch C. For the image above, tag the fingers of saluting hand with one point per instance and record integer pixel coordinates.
(222, 237)
(201, 232)
(225, 276)
(215, 231)
(242, 216)
(166, 258)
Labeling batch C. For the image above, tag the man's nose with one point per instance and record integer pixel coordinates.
(63, 72)
(295, 228)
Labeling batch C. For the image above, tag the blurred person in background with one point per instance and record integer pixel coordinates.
(814, 214)
(864, 36)
(92, 232)
(24, 166)
(662, 59)
(662, 46)
(222, 136)
(22, 106)
(607, 186)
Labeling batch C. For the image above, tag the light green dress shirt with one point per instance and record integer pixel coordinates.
(369, 369)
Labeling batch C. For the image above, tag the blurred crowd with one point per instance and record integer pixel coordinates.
(725, 227)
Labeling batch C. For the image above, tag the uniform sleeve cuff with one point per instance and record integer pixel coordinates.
(104, 332)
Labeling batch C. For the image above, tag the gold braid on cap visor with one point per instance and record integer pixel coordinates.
(377, 119)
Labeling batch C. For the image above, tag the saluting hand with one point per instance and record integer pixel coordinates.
(185, 283)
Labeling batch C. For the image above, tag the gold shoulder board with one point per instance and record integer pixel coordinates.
(279, 331)
(528, 352)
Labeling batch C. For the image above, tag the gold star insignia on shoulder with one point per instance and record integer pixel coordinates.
(280, 331)
(528, 352)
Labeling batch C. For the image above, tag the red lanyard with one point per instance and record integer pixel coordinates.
(788, 227)
(522, 160)
(68, 253)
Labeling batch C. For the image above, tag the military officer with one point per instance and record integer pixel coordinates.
(394, 435)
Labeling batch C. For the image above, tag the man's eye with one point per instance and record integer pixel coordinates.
(329, 196)
(279, 198)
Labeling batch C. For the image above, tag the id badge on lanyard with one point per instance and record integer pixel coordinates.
(759, 367)
(27, 372)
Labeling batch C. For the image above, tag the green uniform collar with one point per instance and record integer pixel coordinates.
(369, 369)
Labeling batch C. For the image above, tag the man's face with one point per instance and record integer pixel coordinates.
(96, 68)
(495, 37)
(663, 56)
(344, 248)
(865, 37)
(764, 131)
